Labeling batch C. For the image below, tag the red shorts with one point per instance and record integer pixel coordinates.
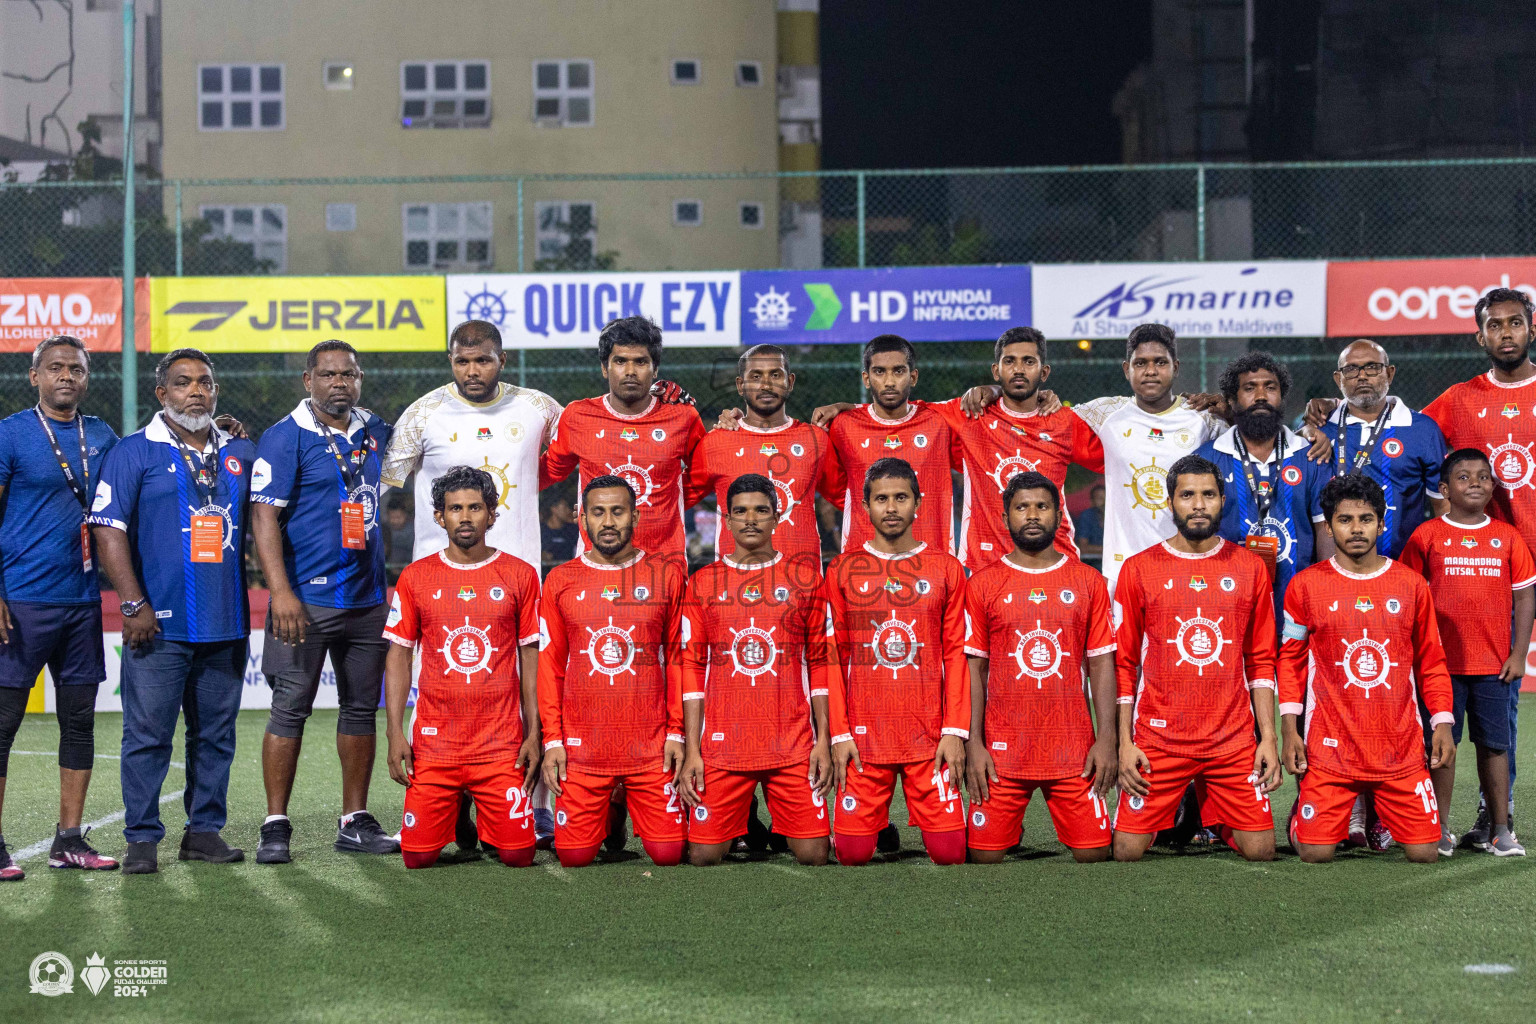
(1227, 797)
(798, 811)
(933, 802)
(581, 809)
(1079, 814)
(503, 812)
(1405, 805)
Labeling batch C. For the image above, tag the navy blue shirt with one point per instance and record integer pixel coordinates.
(1405, 461)
(296, 472)
(146, 491)
(40, 557)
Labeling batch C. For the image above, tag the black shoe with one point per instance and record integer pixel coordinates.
(208, 846)
(777, 843)
(141, 859)
(10, 871)
(74, 852)
(364, 834)
(464, 832)
(889, 840)
(275, 837)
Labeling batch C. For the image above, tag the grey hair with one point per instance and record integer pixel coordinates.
(57, 340)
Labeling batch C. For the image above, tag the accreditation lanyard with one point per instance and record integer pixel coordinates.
(207, 533)
(354, 514)
(75, 485)
(1262, 542)
(1368, 441)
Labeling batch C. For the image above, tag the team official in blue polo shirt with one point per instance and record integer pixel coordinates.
(50, 607)
(315, 491)
(169, 521)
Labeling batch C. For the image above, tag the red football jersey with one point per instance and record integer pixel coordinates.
(899, 625)
(1354, 649)
(1038, 628)
(797, 457)
(1196, 633)
(997, 447)
(650, 450)
(1473, 572)
(924, 440)
(467, 622)
(610, 669)
(756, 654)
(1499, 419)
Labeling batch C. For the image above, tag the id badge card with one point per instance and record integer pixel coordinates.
(85, 547)
(1266, 547)
(207, 538)
(354, 526)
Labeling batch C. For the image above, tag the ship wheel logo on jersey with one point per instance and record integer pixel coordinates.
(894, 645)
(222, 513)
(787, 502)
(1272, 527)
(753, 651)
(1149, 487)
(611, 650)
(499, 474)
(467, 649)
(1011, 467)
(637, 476)
(1366, 663)
(1199, 641)
(1038, 654)
(1513, 463)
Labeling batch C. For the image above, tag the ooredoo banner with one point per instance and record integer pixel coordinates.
(90, 308)
(1395, 297)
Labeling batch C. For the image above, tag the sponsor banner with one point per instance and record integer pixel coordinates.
(293, 314)
(919, 303)
(90, 308)
(567, 310)
(1261, 299)
(1393, 297)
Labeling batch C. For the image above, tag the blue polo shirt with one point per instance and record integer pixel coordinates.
(40, 559)
(296, 472)
(146, 491)
(1405, 461)
(1298, 486)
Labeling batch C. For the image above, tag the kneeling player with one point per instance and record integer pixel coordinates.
(1360, 637)
(902, 699)
(475, 730)
(1196, 668)
(610, 684)
(1037, 620)
(755, 671)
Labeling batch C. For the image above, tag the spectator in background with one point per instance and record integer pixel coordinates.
(399, 537)
(1090, 528)
(558, 532)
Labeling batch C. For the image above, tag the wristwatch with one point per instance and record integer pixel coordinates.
(131, 608)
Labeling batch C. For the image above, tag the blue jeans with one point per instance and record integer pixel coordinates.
(161, 681)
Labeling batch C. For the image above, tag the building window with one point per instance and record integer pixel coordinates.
(562, 91)
(566, 232)
(337, 75)
(447, 235)
(240, 97)
(688, 213)
(685, 72)
(341, 216)
(749, 73)
(751, 215)
(445, 94)
(262, 226)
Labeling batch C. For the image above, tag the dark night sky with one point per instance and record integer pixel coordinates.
(919, 83)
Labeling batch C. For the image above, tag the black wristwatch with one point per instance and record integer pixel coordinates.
(131, 608)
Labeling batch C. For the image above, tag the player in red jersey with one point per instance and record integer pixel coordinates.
(1196, 668)
(1481, 577)
(610, 684)
(632, 434)
(903, 709)
(755, 671)
(795, 455)
(1037, 621)
(1361, 650)
(473, 613)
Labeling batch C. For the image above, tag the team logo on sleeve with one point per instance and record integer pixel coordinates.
(1513, 464)
(1366, 663)
(611, 650)
(637, 476)
(1292, 474)
(1149, 487)
(1038, 654)
(753, 651)
(261, 474)
(1199, 641)
(1010, 467)
(893, 644)
(467, 649)
(103, 496)
(394, 613)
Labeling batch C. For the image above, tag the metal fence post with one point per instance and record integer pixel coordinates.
(178, 227)
(1200, 255)
(130, 408)
(520, 241)
(862, 252)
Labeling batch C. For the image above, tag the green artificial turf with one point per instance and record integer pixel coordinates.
(334, 937)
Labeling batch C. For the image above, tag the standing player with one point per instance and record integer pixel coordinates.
(1196, 668)
(475, 728)
(1480, 574)
(1038, 621)
(1361, 650)
(903, 710)
(755, 671)
(610, 683)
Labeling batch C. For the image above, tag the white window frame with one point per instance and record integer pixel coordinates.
(561, 237)
(456, 98)
(679, 222)
(698, 71)
(743, 83)
(741, 214)
(258, 236)
(435, 234)
(226, 97)
(563, 93)
(345, 80)
(335, 212)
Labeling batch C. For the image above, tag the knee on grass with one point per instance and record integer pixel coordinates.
(812, 853)
(706, 855)
(1131, 846)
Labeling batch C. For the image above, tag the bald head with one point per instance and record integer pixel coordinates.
(1364, 376)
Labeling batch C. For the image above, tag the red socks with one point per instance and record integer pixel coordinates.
(521, 857)
(665, 855)
(945, 847)
(855, 850)
(576, 858)
(420, 860)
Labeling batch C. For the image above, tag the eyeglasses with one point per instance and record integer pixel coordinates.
(1363, 370)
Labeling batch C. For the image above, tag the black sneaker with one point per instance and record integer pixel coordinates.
(464, 832)
(74, 852)
(889, 840)
(208, 846)
(276, 836)
(10, 871)
(364, 834)
(141, 859)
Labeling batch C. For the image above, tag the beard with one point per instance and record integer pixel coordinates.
(1196, 534)
(1259, 422)
(188, 421)
(613, 547)
(1033, 545)
(1021, 392)
(1511, 364)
